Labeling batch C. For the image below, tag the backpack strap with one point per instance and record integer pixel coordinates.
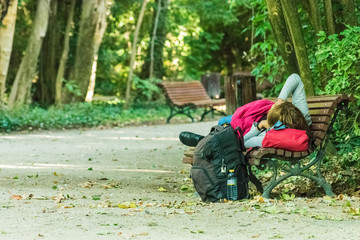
(217, 128)
(252, 177)
(255, 180)
(241, 138)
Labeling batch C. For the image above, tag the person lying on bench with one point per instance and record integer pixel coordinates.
(282, 113)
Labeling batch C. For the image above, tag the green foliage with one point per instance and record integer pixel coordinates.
(80, 115)
(271, 64)
(72, 87)
(263, 53)
(340, 55)
(146, 89)
(201, 52)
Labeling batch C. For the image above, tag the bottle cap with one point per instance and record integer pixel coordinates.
(231, 170)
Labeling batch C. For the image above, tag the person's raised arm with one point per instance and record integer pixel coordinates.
(295, 87)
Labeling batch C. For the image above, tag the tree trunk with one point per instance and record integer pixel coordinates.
(282, 37)
(64, 55)
(4, 7)
(329, 17)
(85, 45)
(295, 28)
(20, 91)
(133, 53)
(153, 39)
(99, 33)
(349, 12)
(6, 41)
(315, 15)
(48, 60)
(154, 53)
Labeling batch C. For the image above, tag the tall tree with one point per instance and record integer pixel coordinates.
(6, 41)
(20, 91)
(64, 55)
(153, 64)
(329, 17)
(312, 8)
(283, 39)
(49, 58)
(151, 72)
(296, 33)
(133, 53)
(90, 14)
(99, 33)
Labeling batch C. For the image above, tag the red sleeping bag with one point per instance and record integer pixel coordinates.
(289, 139)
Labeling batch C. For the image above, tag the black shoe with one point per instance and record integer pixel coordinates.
(190, 139)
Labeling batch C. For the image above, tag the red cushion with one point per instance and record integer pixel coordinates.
(289, 139)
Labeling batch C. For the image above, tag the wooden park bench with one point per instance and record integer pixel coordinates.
(323, 111)
(184, 96)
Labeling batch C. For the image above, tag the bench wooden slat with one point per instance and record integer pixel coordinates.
(323, 127)
(321, 112)
(288, 154)
(321, 105)
(187, 160)
(280, 152)
(336, 98)
(320, 119)
(297, 155)
(304, 153)
(317, 142)
(319, 134)
(254, 161)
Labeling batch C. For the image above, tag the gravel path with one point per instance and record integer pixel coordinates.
(130, 183)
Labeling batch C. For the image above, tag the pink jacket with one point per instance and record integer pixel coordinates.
(252, 112)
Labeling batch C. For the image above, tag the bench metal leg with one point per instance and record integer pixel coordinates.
(297, 170)
(319, 179)
(183, 111)
(206, 111)
(212, 111)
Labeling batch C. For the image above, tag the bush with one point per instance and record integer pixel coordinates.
(80, 115)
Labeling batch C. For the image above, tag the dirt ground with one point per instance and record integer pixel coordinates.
(130, 183)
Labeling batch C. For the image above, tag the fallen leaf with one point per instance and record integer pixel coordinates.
(16, 197)
(96, 197)
(87, 184)
(59, 198)
(126, 205)
(57, 175)
(161, 189)
(340, 197)
(259, 199)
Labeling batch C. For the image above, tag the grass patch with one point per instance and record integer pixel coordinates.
(81, 115)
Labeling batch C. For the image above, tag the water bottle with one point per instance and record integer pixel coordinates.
(232, 191)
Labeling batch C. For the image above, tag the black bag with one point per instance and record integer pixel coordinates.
(217, 153)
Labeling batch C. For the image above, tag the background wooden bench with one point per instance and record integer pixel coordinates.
(323, 111)
(184, 96)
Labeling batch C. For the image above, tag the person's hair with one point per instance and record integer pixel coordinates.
(290, 116)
